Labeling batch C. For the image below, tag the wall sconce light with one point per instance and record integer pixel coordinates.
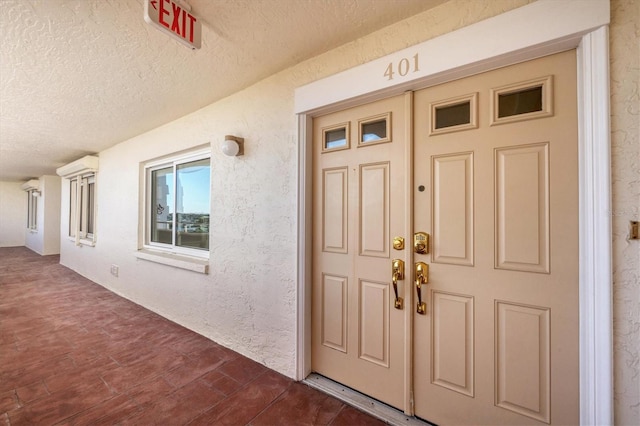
(233, 146)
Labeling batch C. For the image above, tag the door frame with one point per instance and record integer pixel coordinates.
(538, 29)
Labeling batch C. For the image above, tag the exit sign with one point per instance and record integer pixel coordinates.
(169, 17)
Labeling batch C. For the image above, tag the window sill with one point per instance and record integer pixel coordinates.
(83, 242)
(175, 260)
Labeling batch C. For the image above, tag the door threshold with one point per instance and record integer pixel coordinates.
(371, 406)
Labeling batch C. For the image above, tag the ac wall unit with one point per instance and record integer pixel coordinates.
(84, 165)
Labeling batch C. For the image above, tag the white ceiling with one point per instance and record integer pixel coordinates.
(78, 76)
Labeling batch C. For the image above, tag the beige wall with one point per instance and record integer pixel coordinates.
(625, 159)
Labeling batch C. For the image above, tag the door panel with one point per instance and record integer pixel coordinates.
(452, 342)
(359, 181)
(452, 208)
(501, 205)
(522, 208)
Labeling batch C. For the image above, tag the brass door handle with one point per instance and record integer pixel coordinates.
(422, 277)
(397, 273)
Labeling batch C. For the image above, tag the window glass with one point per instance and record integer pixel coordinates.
(32, 210)
(162, 205)
(82, 201)
(192, 204)
(179, 197)
(374, 131)
(335, 138)
(73, 206)
(91, 186)
(453, 115)
(520, 102)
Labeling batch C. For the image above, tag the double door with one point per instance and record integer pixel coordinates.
(445, 240)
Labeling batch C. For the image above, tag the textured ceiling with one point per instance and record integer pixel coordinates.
(78, 76)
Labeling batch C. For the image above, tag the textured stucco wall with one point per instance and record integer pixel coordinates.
(625, 158)
(13, 214)
(248, 300)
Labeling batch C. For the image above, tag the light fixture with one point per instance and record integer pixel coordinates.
(36, 193)
(233, 146)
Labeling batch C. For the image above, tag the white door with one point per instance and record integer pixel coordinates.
(495, 187)
(497, 190)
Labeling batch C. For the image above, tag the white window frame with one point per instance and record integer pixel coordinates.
(172, 161)
(32, 210)
(84, 212)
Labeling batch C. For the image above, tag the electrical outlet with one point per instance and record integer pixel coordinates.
(114, 270)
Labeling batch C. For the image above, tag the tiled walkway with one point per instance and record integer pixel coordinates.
(72, 352)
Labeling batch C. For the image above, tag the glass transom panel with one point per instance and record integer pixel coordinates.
(454, 114)
(522, 101)
(335, 138)
(374, 130)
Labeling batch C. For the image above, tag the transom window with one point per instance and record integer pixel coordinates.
(178, 194)
(374, 130)
(522, 101)
(335, 138)
(454, 114)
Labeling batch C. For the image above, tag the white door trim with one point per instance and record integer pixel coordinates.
(541, 28)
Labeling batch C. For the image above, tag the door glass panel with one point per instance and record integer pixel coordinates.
(520, 102)
(336, 138)
(374, 131)
(524, 100)
(192, 206)
(453, 115)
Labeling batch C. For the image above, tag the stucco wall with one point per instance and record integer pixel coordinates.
(13, 214)
(247, 302)
(625, 158)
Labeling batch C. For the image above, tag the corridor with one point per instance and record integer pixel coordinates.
(73, 353)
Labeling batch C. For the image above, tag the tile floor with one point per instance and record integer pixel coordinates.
(73, 353)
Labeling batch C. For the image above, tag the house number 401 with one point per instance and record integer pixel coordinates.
(403, 67)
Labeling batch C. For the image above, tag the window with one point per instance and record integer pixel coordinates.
(82, 196)
(454, 114)
(335, 137)
(32, 209)
(374, 130)
(522, 101)
(177, 211)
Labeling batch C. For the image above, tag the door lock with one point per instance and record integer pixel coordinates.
(421, 243)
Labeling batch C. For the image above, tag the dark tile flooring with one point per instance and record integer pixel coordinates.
(73, 353)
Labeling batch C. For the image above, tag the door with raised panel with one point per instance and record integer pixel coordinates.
(496, 187)
(359, 205)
